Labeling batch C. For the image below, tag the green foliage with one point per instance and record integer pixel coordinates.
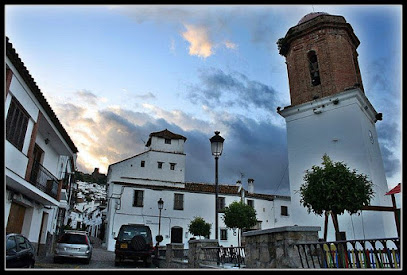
(198, 227)
(239, 215)
(335, 188)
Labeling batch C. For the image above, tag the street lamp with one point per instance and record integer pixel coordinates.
(216, 147)
(159, 238)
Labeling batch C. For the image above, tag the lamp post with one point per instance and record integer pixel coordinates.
(159, 238)
(216, 148)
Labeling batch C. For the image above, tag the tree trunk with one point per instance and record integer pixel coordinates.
(326, 226)
(336, 224)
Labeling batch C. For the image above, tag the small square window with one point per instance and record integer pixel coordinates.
(143, 163)
(167, 141)
(160, 165)
(172, 166)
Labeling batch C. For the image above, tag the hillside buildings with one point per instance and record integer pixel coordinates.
(40, 159)
(136, 184)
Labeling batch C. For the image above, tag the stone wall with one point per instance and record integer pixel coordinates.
(195, 253)
(274, 248)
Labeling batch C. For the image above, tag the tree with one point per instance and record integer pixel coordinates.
(198, 227)
(239, 215)
(334, 189)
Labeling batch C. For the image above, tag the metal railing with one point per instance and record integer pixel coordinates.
(234, 256)
(369, 253)
(44, 180)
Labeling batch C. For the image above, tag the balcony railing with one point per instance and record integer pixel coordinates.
(373, 253)
(44, 180)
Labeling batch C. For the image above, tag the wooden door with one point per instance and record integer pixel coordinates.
(176, 235)
(15, 218)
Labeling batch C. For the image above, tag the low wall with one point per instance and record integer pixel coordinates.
(196, 255)
(274, 248)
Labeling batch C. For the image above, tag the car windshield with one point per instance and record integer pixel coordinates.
(73, 239)
(128, 232)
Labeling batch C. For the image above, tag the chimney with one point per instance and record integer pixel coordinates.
(250, 188)
(240, 189)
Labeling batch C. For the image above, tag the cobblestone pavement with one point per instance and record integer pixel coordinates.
(101, 259)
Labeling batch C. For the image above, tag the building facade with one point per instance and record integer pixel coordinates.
(40, 159)
(136, 184)
(330, 114)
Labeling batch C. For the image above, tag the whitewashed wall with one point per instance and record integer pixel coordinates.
(342, 132)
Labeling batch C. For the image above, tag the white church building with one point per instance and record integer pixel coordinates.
(136, 184)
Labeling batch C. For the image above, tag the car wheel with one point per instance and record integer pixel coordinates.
(117, 261)
(147, 262)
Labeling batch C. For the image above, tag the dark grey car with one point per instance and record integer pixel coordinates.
(134, 242)
(19, 251)
(73, 245)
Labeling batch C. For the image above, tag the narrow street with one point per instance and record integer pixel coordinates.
(101, 259)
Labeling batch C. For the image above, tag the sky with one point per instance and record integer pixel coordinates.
(114, 74)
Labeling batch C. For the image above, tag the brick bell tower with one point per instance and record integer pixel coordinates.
(330, 114)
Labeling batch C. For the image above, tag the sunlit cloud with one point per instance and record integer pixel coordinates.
(200, 43)
(230, 45)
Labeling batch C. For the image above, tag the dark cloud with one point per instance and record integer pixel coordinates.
(225, 90)
(87, 96)
(383, 93)
(389, 137)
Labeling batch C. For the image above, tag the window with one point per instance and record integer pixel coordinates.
(314, 68)
(138, 198)
(167, 141)
(221, 204)
(178, 201)
(223, 234)
(251, 203)
(21, 244)
(160, 165)
(143, 163)
(284, 210)
(16, 124)
(172, 166)
(11, 244)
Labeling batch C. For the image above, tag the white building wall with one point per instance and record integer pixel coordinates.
(342, 132)
(195, 204)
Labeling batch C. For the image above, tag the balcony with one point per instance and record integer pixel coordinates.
(44, 180)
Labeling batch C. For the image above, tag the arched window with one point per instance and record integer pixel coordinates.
(314, 68)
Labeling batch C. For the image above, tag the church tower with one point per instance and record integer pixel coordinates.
(330, 114)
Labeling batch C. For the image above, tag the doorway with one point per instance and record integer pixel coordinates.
(15, 218)
(176, 234)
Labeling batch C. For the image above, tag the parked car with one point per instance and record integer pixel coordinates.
(73, 245)
(19, 251)
(134, 242)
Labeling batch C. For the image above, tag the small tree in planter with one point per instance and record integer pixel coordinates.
(334, 189)
(239, 215)
(198, 227)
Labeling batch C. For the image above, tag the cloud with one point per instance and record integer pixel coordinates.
(230, 45)
(234, 89)
(200, 43)
(87, 96)
(115, 133)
